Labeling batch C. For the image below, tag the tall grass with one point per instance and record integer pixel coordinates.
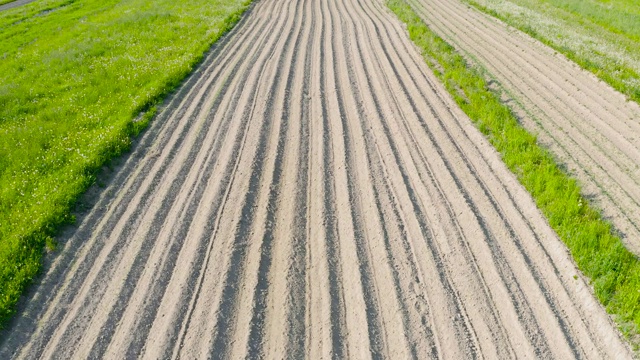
(73, 76)
(597, 251)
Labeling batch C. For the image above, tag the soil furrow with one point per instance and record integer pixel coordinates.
(123, 206)
(178, 231)
(332, 237)
(211, 216)
(551, 94)
(265, 269)
(441, 199)
(545, 254)
(297, 272)
(235, 269)
(354, 176)
(379, 191)
(486, 226)
(311, 190)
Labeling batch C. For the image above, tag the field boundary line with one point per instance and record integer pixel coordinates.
(612, 270)
(51, 224)
(632, 93)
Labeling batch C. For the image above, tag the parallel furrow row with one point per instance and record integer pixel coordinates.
(586, 124)
(312, 191)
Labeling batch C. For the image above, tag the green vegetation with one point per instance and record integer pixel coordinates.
(73, 77)
(598, 252)
(620, 16)
(602, 36)
(2, 2)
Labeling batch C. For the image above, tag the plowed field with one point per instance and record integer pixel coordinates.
(590, 127)
(312, 190)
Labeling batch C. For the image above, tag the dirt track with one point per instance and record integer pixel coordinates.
(313, 191)
(588, 126)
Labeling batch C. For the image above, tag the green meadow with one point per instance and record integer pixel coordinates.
(74, 75)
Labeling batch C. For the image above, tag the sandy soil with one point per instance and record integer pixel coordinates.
(588, 126)
(312, 191)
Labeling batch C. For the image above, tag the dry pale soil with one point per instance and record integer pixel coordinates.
(313, 191)
(589, 127)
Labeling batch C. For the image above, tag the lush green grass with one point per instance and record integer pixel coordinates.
(73, 76)
(619, 16)
(602, 36)
(598, 252)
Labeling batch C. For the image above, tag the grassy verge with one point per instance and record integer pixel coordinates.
(598, 252)
(602, 37)
(2, 2)
(73, 76)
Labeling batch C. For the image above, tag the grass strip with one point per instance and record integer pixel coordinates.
(73, 77)
(598, 252)
(615, 24)
(2, 2)
(618, 16)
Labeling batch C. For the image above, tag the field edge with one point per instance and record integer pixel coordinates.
(42, 240)
(598, 252)
(631, 93)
